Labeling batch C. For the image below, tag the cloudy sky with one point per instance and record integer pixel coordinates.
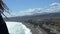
(29, 7)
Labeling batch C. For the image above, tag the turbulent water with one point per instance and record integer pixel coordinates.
(17, 28)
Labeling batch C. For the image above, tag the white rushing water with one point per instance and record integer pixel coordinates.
(17, 28)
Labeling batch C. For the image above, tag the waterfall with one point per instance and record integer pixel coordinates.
(17, 28)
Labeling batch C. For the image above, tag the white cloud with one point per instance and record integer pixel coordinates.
(30, 11)
(20, 13)
(55, 4)
(54, 7)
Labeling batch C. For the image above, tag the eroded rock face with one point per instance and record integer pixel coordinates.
(43, 28)
(35, 29)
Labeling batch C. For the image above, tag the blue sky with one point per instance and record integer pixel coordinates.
(20, 5)
(17, 5)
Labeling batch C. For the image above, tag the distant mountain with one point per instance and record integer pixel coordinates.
(55, 15)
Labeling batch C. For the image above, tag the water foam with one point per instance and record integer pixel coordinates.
(17, 28)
